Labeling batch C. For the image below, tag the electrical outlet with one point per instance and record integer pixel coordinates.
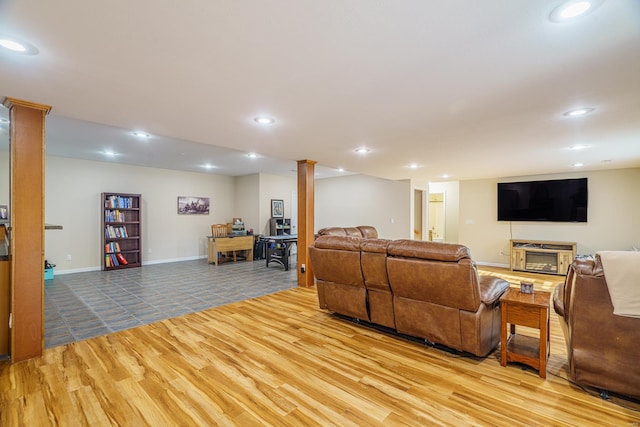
(303, 268)
(69, 257)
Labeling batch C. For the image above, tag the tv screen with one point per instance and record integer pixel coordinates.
(561, 200)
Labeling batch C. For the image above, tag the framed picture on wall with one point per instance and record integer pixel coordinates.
(277, 208)
(193, 205)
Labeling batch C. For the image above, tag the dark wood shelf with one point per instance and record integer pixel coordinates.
(130, 247)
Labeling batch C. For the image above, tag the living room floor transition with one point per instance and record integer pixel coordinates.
(79, 306)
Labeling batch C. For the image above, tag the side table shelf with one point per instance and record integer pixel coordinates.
(530, 310)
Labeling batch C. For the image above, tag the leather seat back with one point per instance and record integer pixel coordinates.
(437, 273)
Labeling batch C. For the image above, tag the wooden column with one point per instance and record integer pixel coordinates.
(27, 146)
(306, 224)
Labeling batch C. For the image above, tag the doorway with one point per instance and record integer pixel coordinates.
(436, 217)
(419, 214)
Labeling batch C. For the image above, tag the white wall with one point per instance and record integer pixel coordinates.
(363, 200)
(613, 217)
(5, 190)
(73, 200)
(274, 187)
(247, 204)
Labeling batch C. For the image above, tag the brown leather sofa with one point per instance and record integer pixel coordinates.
(365, 231)
(423, 289)
(602, 348)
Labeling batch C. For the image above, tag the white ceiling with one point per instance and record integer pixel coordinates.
(473, 89)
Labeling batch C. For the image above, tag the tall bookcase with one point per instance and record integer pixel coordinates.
(280, 226)
(121, 231)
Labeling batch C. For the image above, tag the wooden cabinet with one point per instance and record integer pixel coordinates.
(530, 310)
(121, 230)
(280, 227)
(538, 256)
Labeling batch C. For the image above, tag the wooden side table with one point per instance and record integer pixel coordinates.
(531, 310)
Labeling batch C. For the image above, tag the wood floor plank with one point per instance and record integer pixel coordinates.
(279, 360)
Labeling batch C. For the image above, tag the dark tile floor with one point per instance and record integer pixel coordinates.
(85, 305)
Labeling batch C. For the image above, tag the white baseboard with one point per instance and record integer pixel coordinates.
(76, 270)
(160, 261)
(493, 264)
(164, 261)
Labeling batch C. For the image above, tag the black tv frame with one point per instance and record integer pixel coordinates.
(555, 200)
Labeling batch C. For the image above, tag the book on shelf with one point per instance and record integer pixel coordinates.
(113, 202)
(112, 247)
(112, 232)
(114, 216)
(121, 259)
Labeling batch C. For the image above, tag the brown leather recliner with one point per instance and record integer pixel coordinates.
(438, 295)
(425, 289)
(339, 280)
(603, 349)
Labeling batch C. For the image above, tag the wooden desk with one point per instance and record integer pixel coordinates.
(530, 310)
(229, 244)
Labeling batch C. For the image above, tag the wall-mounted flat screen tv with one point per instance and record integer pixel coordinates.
(560, 200)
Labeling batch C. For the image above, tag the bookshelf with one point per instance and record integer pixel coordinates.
(121, 231)
(280, 226)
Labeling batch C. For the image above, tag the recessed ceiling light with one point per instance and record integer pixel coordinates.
(141, 134)
(573, 9)
(446, 175)
(252, 155)
(577, 165)
(413, 166)
(362, 150)
(109, 153)
(579, 112)
(17, 46)
(340, 169)
(578, 147)
(208, 166)
(263, 120)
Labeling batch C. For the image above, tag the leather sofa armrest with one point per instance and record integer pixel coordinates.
(558, 299)
(492, 288)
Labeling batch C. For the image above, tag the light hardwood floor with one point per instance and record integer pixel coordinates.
(279, 360)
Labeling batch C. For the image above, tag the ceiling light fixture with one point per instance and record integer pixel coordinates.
(208, 166)
(264, 120)
(413, 166)
(17, 46)
(362, 150)
(579, 112)
(252, 155)
(141, 134)
(578, 147)
(577, 165)
(340, 169)
(572, 9)
(446, 175)
(109, 153)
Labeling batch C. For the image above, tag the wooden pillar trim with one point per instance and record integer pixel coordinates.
(27, 158)
(306, 224)
(10, 102)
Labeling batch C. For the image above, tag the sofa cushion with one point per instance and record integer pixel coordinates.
(428, 250)
(365, 231)
(343, 243)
